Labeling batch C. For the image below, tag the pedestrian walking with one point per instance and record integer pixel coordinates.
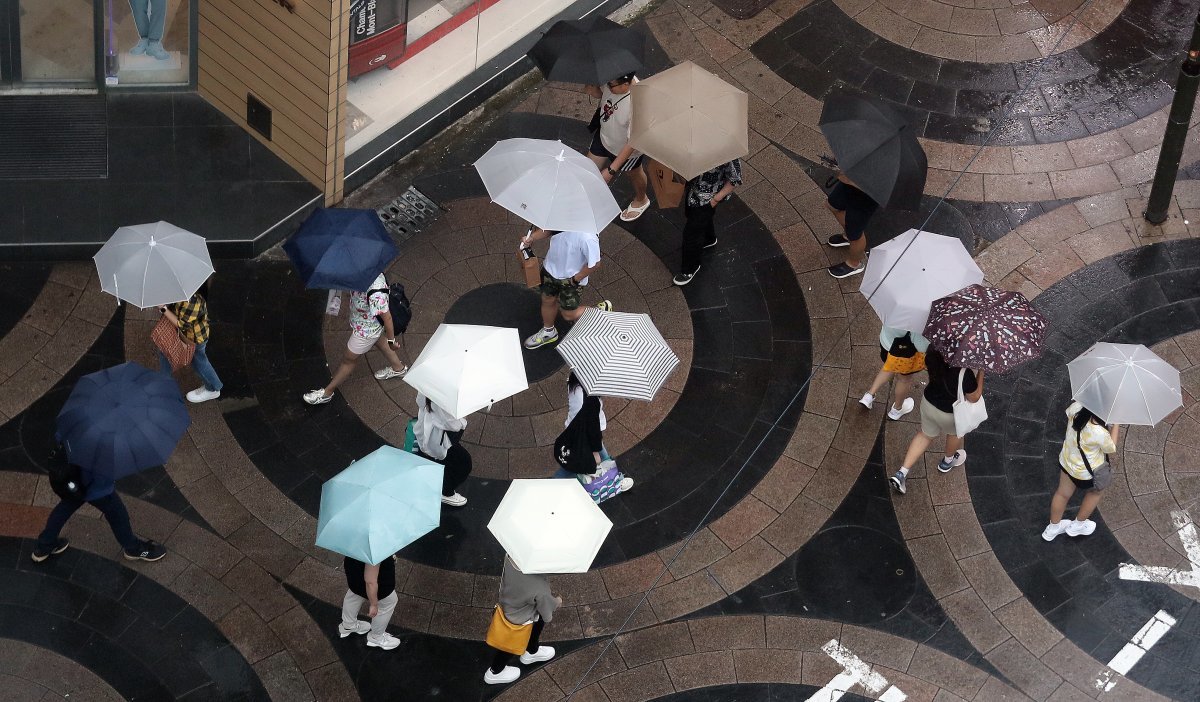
(191, 318)
(937, 415)
(525, 605)
(903, 356)
(587, 459)
(370, 325)
(365, 583)
(704, 193)
(438, 435)
(610, 149)
(74, 486)
(853, 209)
(1083, 466)
(573, 256)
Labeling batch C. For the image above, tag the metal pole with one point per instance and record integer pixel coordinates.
(1176, 133)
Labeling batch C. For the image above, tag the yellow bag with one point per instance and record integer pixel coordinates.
(505, 636)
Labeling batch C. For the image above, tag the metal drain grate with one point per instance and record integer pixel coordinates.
(408, 214)
(53, 136)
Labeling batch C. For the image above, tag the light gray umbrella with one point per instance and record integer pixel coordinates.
(905, 275)
(1125, 384)
(618, 354)
(153, 264)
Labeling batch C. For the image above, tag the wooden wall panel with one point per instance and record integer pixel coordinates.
(295, 63)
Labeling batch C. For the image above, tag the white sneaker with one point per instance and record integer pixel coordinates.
(541, 338)
(385, 641)
(509, 674)
(624, 485)
(868, 400)
(455, 500)
(905, 408)
(317, 397)
(543, 654)
(203, 394)
(389, 372)
(1052, 530)
(1078, 528)
(360, 627)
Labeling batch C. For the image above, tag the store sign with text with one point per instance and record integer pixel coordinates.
(369, 18)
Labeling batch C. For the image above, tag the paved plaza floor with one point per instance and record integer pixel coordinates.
(761, 555)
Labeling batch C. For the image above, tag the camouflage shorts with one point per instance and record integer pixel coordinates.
(569, 294)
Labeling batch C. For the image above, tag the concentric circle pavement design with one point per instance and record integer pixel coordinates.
(29, 672)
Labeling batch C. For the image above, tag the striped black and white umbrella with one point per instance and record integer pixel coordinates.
(618, 354)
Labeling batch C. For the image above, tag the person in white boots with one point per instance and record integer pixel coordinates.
(903, 355)
(191, 317)
(525, 599)
(365, 583)
(1083, 465)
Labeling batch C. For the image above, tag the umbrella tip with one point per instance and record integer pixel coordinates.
(152, 241)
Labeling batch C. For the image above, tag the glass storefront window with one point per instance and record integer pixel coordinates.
(147, 42)
(49, 45)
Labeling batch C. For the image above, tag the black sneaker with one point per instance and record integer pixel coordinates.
(148, 551)
(40, 554)
(711, 244)
(838, 241)
(684, 278)
(843, 270)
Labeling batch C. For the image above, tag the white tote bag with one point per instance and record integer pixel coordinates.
(967, 414)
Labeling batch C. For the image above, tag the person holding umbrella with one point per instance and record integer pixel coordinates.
(191, 318)
(1082, 464)
(370, 325)
(365, 583)
(853, 209)
(584, 429)
(610, 149)
(572, 257)
(439, 436)
(704, 193)
(525, 600)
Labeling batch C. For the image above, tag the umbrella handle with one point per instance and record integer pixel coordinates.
(116, 290)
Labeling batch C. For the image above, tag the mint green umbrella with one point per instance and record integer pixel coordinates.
(380, 504)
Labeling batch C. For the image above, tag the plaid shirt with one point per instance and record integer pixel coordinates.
(193, 319)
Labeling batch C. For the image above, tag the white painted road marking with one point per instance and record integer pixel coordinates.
(1133, 651)
(1170, 576)
(854, 672)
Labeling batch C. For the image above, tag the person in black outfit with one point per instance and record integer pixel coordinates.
(365, 583)
(853, 209)
(704, 193)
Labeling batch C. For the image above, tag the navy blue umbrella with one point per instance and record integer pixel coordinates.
(341, 249)
(121, 420)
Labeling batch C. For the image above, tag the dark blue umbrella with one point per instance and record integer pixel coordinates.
(341, 249)
(121, 420)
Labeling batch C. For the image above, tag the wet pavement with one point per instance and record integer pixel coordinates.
(761, 539)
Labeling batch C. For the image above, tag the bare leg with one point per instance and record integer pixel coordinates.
(637, 177)
(858, 249)
(953, 444)
(600, 161)
(1058, 503)
(349, 360)
(572, 315)
(903, 389)
(916, 448)
(881, 379)
(390, 354)
(1091, 498)
(549, 311)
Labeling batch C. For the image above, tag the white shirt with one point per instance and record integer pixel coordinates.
(431, 427)
(616, 118)
(570, 252)
(575, 403)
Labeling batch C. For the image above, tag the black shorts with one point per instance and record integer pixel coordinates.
(856, 204)
(597, 149)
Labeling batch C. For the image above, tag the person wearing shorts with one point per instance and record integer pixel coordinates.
(903, 355)
(937, 416)
(1082, 466)
(370, 325)
(610, 149)
(572, 257)
(853, 209)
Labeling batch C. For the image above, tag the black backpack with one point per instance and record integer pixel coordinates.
(66, 478)
(398, 305)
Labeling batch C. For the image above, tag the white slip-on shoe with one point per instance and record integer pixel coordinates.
(543, 654)
(905, 408)
(202, 394)
(455, 500)
(867, 400)
(509, 674)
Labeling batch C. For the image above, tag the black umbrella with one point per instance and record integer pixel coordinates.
(875, 147)
(591, 51)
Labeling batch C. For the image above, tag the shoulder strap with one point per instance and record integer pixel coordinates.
(1082, 454)
(961, 373)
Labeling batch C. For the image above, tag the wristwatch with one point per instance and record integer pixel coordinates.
(611, 172)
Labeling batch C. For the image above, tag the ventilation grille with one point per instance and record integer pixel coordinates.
(53, 137)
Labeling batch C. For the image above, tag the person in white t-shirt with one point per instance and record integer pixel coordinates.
(565, 269)
(610, 149)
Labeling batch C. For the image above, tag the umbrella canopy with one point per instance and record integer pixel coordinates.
(618, 354)
(876, 147)
(466, 367)
(593, 50)
(689, 120)
(380, 504)
(905, 275)
(121, 420)
(549, 526)
(985, 328)
(153, 264)
(341, 249)
(1125, 384)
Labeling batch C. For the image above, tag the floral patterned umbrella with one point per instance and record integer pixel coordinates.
(985, 328)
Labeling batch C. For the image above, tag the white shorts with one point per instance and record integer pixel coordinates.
(360, 345)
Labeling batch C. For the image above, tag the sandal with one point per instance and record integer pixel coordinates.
(634, 211)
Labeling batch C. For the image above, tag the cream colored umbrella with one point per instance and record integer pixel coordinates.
(689, 120)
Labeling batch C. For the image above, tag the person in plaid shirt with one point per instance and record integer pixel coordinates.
(191, 317)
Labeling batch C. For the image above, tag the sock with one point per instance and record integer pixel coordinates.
(547, 329)
(903, 470)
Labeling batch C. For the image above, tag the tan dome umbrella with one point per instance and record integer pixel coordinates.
(689, 120)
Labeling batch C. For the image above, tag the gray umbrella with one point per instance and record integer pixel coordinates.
(876, 147)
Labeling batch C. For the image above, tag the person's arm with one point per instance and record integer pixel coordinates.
(166, 311)
(584, 272)
(593, 91)
(974, 397)
(371, 578)
(389, 329)
(1115, 432)
(614, 168)
(723, 193)
(534, 234)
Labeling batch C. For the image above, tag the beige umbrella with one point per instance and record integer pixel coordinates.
(689, 120)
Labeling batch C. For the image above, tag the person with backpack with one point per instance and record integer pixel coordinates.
(74, 486)
(580, 451)
(191, 318)
(1083, 466)
(373, 322)
(438, 437)
(903, 356)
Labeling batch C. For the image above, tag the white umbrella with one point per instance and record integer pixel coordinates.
(153, 264)
(902, 281)
(1125, 384)
(618, 354)
(549, 526)
(547, 184)
(466, 367)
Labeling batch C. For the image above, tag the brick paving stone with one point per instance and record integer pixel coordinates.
(331, 683)
(936, 564)
(819, 668)
(800, 633)
(780, 487)
(199, 546)
(701, 670)
(569, 671)
(833, 480)
(972, 616)
(745, 565)
(745, 520)
(305, 641)
(766, 665)
(655, 643)
(606, 617)
(220, 509)
(989, 580)
(577, 588)
(703, 550)
(1024, 669)
(282, 679)
(878, 648)
(635, 575)
(1028, 626)
(205, 593)
(914, 510)
(949, 673)
(644, 683)
(258, 589)
(685, 595)
(250, 634)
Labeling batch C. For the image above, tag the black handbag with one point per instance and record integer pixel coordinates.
(903, 347)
